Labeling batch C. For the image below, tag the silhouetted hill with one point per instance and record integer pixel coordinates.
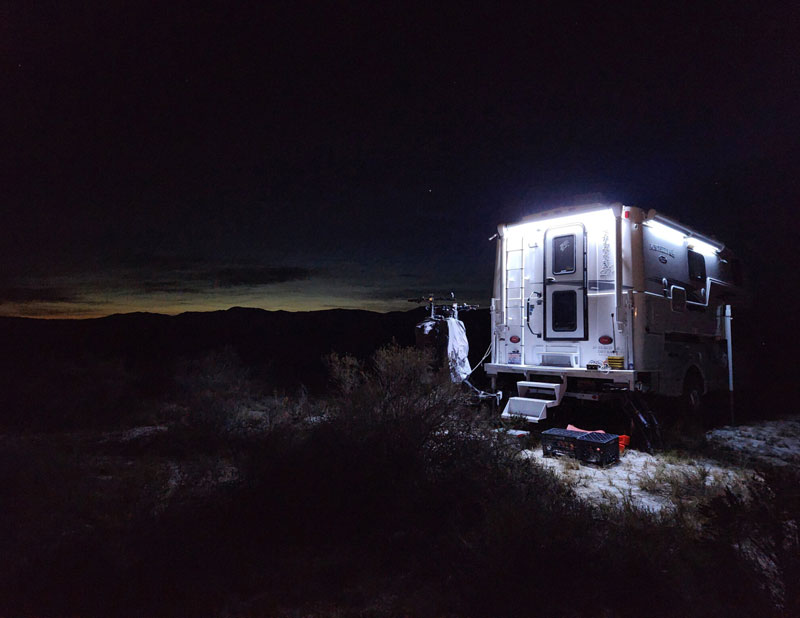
(49, 366)
(53, 372)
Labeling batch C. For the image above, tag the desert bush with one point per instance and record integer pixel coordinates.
(346, 373)
(398, 391)
(399, 492)
(404, 484)
(762, 523)
(212, 390)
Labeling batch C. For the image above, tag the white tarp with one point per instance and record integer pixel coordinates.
(457, 349)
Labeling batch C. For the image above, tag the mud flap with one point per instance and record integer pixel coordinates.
(643, 419)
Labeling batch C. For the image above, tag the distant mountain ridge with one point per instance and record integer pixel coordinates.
(352, 331)
(43, 362)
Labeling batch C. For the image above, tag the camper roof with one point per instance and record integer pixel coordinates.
(651, 215)
(567, 211)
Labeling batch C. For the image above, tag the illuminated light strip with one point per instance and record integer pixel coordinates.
(665, 232)
(588, 218)
(689, 233)
(678, 237)
(701, 246)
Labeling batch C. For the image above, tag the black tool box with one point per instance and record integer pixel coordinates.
(560, 442)
(598, 448)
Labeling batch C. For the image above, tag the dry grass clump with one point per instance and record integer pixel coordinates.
(688, 484)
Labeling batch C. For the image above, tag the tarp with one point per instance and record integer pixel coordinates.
(457, 349)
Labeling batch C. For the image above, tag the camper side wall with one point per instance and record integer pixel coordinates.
(681, 310)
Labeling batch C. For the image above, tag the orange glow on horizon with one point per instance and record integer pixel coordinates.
(62, 311)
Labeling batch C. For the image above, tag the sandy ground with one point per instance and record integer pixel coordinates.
(665, 480)
(657, 482)
(775, 443)
(645, 481)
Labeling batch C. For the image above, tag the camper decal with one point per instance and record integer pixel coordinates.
(662, 249)
(606, 267)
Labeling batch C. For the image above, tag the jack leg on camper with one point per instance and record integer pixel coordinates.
(642, 419)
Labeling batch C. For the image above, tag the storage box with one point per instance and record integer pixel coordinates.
(598, 448)
(560, 442)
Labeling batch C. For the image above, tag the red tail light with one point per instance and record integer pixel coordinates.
(513, 339)
(605, 340)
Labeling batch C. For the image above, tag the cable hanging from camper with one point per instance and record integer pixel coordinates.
(528, 308)
(480, 362)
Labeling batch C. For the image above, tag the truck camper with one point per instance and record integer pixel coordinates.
(606, 298)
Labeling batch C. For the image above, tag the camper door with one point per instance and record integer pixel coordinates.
(565, 282)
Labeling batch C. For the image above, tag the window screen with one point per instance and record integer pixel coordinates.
(565, 310)
(697, 266)
(564, 254)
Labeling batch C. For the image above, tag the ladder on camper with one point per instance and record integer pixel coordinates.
(514, 293)
(534, 399)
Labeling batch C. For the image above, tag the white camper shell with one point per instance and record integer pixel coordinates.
(601, 298)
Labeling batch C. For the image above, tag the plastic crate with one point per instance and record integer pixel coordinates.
(560, 442)
(598, 448)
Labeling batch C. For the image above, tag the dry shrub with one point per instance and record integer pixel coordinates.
(399, 493)
(398, 391)
(762, 523)
(212, 390)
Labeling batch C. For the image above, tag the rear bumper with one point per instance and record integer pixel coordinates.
(621, 377)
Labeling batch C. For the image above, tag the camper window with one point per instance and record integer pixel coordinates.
(697, 266)
(565, 310)
(564, 254)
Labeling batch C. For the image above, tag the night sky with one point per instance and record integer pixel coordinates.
(164, 157)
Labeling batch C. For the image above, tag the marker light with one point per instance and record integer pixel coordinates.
(513, 339)
(605, 340)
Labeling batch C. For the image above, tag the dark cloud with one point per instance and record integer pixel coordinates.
(167, 286)
(159, 272)
(160, 275)
(258, 145)
(67, 311)
(22, 294)
(259, 275)
(159, 261)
